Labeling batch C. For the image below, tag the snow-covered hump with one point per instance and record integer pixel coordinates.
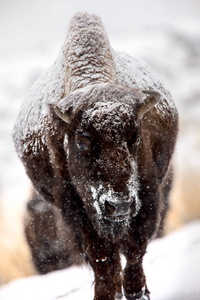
(34, 112)
(133, 72)
(85, 58)
(88, 53)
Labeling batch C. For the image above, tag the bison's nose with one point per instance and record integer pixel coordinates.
(117, 209)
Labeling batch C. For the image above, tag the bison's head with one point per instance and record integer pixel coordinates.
(101, 142)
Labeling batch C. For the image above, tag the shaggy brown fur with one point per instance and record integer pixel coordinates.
(99, 148)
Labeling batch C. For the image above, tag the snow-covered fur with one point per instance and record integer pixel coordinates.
(96, 135)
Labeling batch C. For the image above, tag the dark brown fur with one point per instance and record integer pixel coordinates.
(103, 151)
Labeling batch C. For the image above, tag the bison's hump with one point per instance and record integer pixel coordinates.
(134, 72)
(33, 119)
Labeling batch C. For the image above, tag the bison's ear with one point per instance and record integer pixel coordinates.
(64, 109)
(151, 99)
(65, 116)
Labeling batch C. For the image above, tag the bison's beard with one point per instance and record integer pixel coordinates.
(107, 226)
(111, 230)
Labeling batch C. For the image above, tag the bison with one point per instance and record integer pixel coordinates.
(96, 135)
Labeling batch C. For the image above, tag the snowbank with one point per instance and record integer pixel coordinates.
(172, 267)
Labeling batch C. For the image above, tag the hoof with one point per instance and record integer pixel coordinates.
(146, 297)
(139, 296)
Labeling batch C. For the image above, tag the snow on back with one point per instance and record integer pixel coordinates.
(136, 73)
(79, 65)
(88, 55)
(32, 119)
(84, 58)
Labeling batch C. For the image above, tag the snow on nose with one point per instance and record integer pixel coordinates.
(116, 209)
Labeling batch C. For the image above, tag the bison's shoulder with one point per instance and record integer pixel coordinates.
(34, 118)
(136, 73)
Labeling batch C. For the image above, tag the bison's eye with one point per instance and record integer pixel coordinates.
(134, 140)
(137, 141)
(83, 143)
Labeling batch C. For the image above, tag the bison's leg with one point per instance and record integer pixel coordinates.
(134, 282)
(47, 242)
(117, 273)
(166, 187)
(105, 261)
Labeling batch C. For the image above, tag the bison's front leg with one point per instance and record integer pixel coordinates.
(134, 282)
(105, 261)
(134, 278)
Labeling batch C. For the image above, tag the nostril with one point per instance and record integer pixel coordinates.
(109, 209)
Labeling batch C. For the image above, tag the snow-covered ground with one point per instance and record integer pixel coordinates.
(172, 267)
(167, 35)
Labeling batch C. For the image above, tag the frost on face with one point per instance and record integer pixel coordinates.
(133, 187)
(101, 194)
(65, 143)
(95, 196)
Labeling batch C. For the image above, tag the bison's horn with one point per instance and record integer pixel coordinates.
(64, 116)
(152, 98)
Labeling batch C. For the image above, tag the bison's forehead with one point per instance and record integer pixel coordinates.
(110, 118)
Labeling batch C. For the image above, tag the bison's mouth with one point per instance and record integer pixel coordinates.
(119, 218)
(111, 227)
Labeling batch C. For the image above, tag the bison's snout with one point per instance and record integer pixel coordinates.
(115, 206)
(118, 210)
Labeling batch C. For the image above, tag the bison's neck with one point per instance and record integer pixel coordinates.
(88, 53)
